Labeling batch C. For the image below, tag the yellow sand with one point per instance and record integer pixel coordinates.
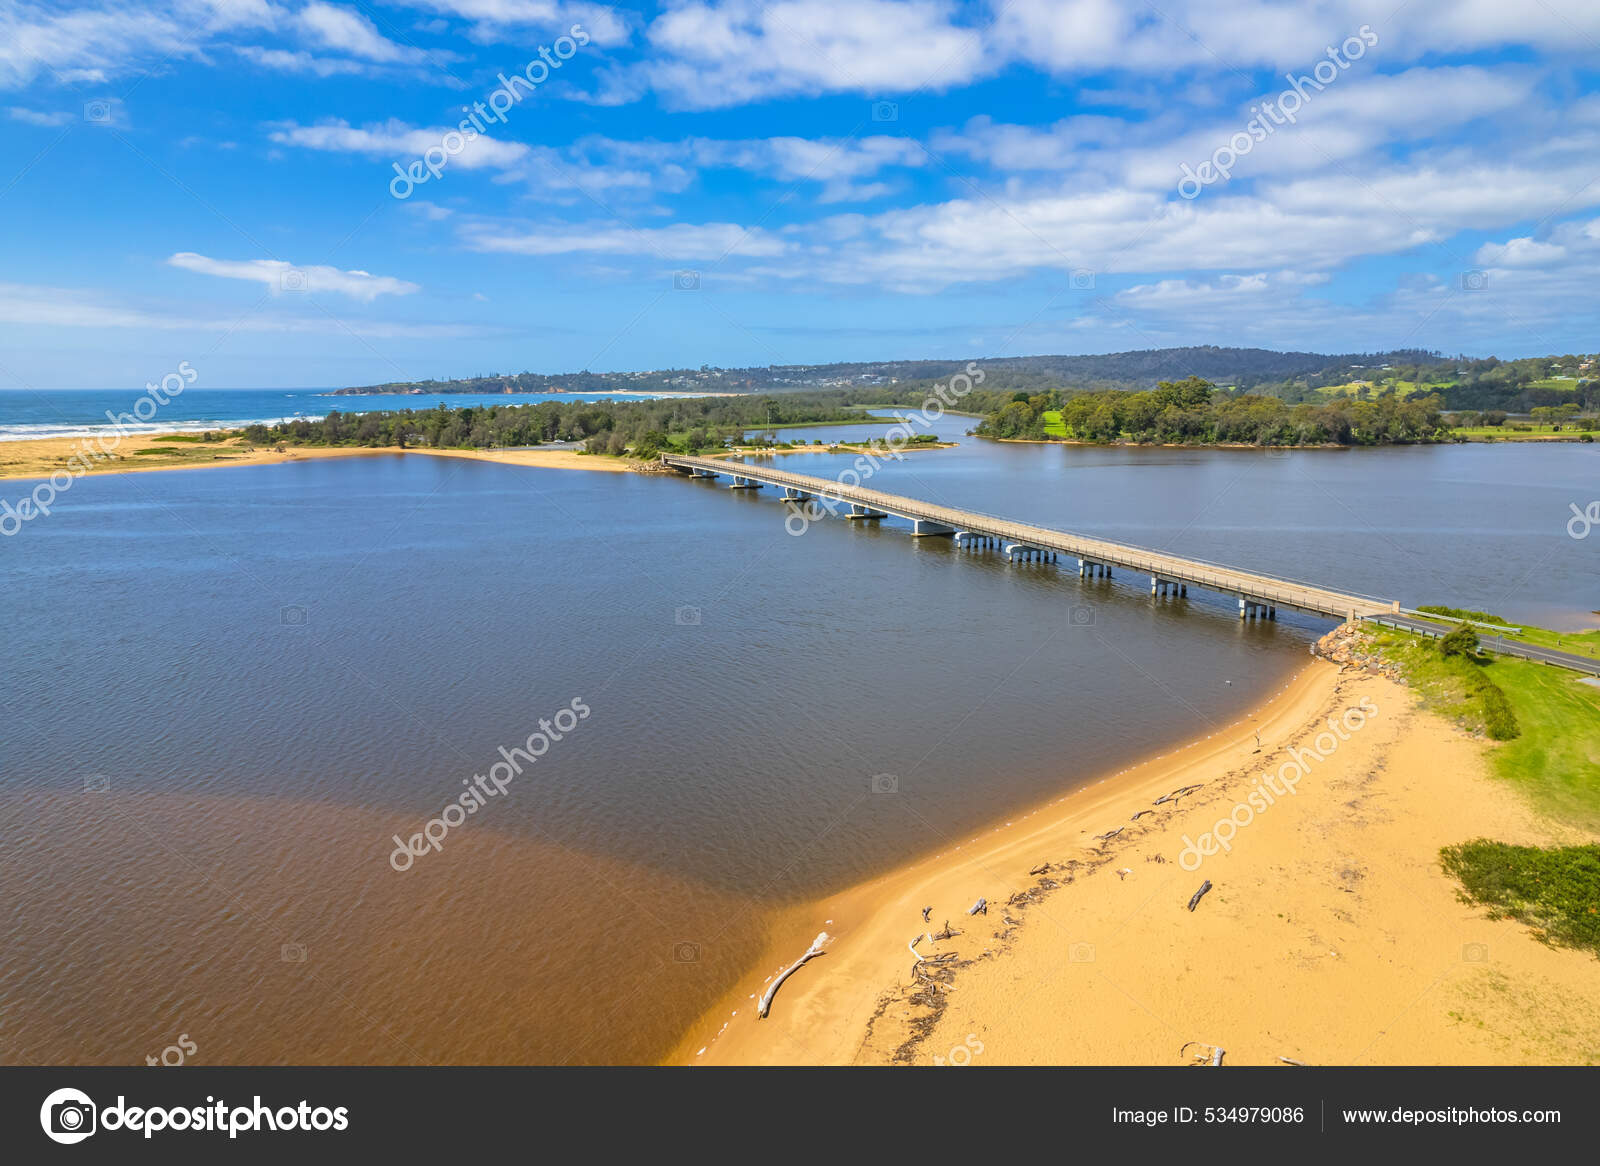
(39, 457)
(1330, 936)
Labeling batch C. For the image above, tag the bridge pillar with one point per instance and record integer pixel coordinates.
(859, 511)
(1242, 606)
(790, 494)
(921, 527)
(745, 483)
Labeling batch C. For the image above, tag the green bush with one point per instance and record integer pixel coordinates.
(1459, 641)
(1555, 891)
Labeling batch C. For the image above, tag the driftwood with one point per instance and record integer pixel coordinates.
(981, 905)
(812, 952)
(946, 933)
(1038, 870)
(1194, 900)
(1178, 793)
(1123, 873)
(912, 946)
(925, 912)
(1214, 1056)
(1110, 834)
(1140, 814)
(1292, 1061)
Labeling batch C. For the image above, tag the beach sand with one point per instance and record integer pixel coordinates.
(40, 457)
(1330, 934)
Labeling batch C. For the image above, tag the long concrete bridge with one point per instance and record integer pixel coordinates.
(1259, 596)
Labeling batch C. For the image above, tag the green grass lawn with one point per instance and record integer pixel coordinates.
(1555, 758)
(1524, 431)
(1053, 425)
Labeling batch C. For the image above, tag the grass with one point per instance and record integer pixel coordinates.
(1554, 759)
(1554, 756)
(1053, 425)
(178, 437)
(1516, 431)
(1580, 643)
(1554, 891)
(1402, 389)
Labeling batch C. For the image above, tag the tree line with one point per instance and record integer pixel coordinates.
(1192, 412)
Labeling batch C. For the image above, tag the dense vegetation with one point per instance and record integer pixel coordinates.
(689, 424)
(1555, 891)
(1191, 411)
(1241, 367)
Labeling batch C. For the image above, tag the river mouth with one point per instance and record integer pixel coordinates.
(238, 688)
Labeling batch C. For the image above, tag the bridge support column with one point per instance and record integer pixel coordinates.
(1242, 606)
(745, 483)
(858, 511)
(790, 494)
(921, 527)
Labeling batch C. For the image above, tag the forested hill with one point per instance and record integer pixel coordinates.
(1238, 367)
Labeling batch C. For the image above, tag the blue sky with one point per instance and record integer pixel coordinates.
(733, 183)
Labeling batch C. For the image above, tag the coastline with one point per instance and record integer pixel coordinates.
(1330, 935)
(37, 458)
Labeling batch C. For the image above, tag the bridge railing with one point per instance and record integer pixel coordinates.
(1284, 589)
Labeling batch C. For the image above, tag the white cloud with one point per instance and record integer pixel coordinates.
(605, 25)
(717, 53)
(34, 117)
(678, 242)
(346, 30)
(397, 141)
(35, 305)
(279, 276)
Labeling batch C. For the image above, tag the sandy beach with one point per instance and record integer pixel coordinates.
(40, 457)
(1329, 935)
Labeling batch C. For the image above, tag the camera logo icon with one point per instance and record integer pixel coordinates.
(688, 617)
(885, 783)
(686, 280)
(97, 783)
(97, 113)
(292, 279)
(1474, 280)
(293, 616)
(1081, 953)
(1475, 953)
(68, 1116)
(1081, 616)
(885, 111)
(292, 953)
(685, 952)
(1081, 279)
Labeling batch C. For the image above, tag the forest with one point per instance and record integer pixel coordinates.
(1192, 412)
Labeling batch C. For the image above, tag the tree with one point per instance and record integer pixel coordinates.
(1459, 641)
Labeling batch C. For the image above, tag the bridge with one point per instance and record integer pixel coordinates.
(1259, 596)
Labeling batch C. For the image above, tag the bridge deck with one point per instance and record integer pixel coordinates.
(1246, 585)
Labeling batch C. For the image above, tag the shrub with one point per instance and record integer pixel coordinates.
(1555, 891)
(1459, 641)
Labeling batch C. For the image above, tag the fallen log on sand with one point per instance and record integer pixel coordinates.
(811, 953)
(980, 905)
(1215, 1056)
(1178, 793)
(1194, 900)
